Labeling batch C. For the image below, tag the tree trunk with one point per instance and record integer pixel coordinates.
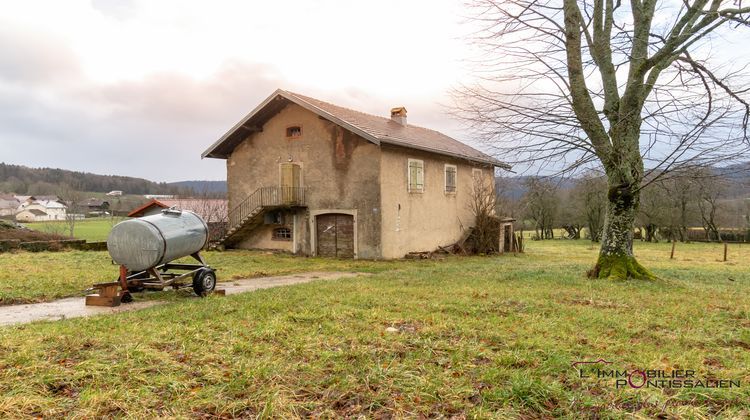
(616, 260)
(651, 233)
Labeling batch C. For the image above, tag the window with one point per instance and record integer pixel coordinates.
(450, 178)
(416, 175)
(476, 174)
(273, 218)
(294, 132)
(282, 234)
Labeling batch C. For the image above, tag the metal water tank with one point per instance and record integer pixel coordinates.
(146, 242)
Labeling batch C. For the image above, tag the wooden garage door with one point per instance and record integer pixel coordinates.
(335, 235)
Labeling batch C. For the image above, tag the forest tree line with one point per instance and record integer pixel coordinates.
(46, 181)
(696, 205)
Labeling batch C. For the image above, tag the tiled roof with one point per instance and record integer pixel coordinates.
(390, 132)
(208, 208)
(371, 127)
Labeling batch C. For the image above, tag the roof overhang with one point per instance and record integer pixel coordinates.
(254, 121)
(272, 105)
(486, 161)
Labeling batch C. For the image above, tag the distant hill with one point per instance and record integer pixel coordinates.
(24, 180)
(200, 187)
(515, 187)
(738, 176)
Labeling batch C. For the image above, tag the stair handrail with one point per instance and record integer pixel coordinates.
(266, 197)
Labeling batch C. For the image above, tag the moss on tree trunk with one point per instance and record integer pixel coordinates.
(616, 260)
(620, 267)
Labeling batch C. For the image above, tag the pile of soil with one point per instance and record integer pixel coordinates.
(11, 230)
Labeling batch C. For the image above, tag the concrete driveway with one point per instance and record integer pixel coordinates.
(75, 307)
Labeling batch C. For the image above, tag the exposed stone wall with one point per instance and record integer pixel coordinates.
(339, 169)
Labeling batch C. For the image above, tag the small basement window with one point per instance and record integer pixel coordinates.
(282, 234)
(294, 132)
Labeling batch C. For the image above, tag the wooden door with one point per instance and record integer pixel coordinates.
(335, 235)
(290, 182)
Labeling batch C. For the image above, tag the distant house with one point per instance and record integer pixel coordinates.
(32, 215)
(314, 178)
(114, 193)
(154, 206)
(23, 201)
(8, 205)
(47, 198)
(93, 205)
(212, 211)
(45, 210)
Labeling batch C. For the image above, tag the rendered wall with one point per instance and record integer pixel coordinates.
(423, 221)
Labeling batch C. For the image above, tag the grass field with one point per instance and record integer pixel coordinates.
(92, 230)
(27, 277)
(480, 337)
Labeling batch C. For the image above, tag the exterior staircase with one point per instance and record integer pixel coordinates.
(250, 212)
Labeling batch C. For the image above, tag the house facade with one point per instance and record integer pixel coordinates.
(8, 205)
(309, 177)
(41, 210)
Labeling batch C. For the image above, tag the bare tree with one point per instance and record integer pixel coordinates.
(72, 200)
(542, 204)
(679, 192)
(591, 191)
(571, 216)
(483, 203)
(652, 212)
(709, 190)
(214, 212)
(571, 84)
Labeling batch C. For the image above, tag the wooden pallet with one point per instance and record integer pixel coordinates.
(108, 295)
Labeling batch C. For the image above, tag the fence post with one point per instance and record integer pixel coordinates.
(674, 243)
(725, 252)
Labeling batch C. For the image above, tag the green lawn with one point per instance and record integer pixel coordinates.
(27, 277)
(480, 337)
(92, 230)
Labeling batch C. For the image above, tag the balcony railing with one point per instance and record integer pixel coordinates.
(266, 197)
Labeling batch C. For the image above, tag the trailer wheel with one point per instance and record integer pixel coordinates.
(204, 282)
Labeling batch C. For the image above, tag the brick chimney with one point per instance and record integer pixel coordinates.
(399, 115)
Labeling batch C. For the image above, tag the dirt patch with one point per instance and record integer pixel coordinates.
(594, 303)
(10, 230)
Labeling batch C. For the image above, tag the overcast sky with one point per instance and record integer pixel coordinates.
(141, 88)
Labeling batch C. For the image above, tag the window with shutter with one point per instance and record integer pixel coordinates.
(450, 178)
(416, 175)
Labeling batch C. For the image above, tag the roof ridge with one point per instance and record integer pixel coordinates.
(305, 97)
(374, 128)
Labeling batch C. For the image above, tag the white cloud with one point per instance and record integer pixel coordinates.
(143, 87)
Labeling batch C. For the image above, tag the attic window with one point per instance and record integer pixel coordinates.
(294, 132)
(282, 234)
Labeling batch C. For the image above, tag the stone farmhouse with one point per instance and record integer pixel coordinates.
(313, 178)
